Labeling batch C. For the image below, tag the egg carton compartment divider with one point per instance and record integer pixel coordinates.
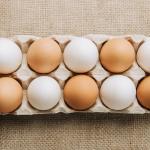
(25, 75)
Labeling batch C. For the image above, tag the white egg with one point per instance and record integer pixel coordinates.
(80, 55)
(43, 93)
(143, 56)
(10, 56)
(118, 92)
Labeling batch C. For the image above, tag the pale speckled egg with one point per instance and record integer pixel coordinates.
(44, 55)
(11, 94)
(143, 56)
(10, 56)
(43, 93)
(80, 55)
(118, 92)
(80, 92)
(117, 55)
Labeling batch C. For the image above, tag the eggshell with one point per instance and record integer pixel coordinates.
(118, 92)
(143, 56)
(117, 55)
(44, 55)
(10, 56)
(10, 94)
(43, 93)
(80, 92)
(80, 55)
(143, 92)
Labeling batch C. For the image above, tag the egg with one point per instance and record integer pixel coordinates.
(118, 92)
(10, 56)
(43, 93)
(117, 55)
(143, 92)
(80, 92)
(44, 55)
(143, 56)
(80, 55)
(10, 94)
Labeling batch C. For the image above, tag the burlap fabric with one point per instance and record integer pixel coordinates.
(74, 131)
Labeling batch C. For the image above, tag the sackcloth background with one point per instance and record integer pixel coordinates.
(74, 131)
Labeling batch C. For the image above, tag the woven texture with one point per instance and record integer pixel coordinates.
(74, 131)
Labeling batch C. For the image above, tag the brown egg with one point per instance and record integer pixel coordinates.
(117, 55)
(80, 92)
(44, 55)
(143, 92)
(10, 94)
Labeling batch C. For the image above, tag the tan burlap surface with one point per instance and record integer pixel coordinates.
(74, 131)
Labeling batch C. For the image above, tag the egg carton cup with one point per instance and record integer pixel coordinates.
(25, 74)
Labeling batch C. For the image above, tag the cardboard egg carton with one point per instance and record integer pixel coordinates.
(25, 75)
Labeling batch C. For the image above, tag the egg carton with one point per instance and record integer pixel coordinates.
(25, 75)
